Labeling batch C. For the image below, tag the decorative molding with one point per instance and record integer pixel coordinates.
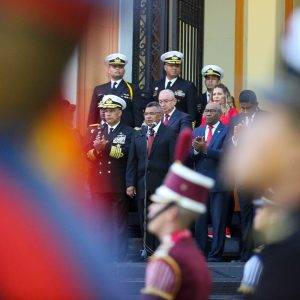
(239, 49)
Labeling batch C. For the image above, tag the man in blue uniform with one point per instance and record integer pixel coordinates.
(184, 90)
(133, 113)
(212, 76)
(108, 149)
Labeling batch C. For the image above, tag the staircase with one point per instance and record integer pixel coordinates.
(226, 275)
(226, 279)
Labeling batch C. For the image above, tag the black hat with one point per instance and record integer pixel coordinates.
(247, 96)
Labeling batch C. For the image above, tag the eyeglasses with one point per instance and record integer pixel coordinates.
(151, 113)
(165, 101)
(210, 110)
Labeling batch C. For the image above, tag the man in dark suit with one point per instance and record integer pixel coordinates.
(173, 117)
(212, 76)
(207, 154)
(133, 113)
(249, 113)
(185, 91)
(108, 149)
(151, 154)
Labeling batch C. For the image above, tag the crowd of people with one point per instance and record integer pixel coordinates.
(49, 246)
(132, 161)
(131, 147)
(178, 195)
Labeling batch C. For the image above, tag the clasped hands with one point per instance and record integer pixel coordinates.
(199, 144)
(99, 144)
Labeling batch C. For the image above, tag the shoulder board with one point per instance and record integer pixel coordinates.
(94, 125)
(137, 128)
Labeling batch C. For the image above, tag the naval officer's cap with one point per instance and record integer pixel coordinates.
(112, 101)
(172, 57)
(116, 59)
(212, 70)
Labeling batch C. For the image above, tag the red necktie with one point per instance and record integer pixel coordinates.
(166, 119)
(210, 134)
(150, 141)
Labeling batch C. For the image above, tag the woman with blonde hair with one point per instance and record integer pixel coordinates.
(221, 95)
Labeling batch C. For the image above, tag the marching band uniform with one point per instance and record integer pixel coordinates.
(178, 269)
(170, 272)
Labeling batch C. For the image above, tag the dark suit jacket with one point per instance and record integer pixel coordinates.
(156, 165)
(107, 174)
(131, 116)
(208, 164)
(201, 104)
(185, 93)
(280, 280)
(239, 119)
(179, 120)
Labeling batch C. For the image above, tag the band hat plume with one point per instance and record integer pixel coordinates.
(182, 185)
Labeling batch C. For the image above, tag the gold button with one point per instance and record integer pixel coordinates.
(183, 187)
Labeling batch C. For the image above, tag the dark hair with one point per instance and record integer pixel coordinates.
(248, 96)
(154, 104)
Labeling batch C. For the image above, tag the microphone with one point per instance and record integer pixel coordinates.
(151, 127)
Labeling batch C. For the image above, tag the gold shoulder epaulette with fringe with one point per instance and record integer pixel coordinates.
(94, 125)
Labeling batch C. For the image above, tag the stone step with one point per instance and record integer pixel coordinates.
(218, 269)
(231, 247)
(212, 297)
(226, 278)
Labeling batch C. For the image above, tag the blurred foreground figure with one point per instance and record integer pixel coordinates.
(177, 269)
(250, 114)
(271, 223)
(269, 155)
(48, 249)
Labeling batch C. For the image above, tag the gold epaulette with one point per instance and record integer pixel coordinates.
(137, 128)
(130, 90)
(94, 125)
(116, 152)
(245, 289)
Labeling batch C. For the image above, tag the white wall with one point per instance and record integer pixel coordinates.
(126, 33)
(69, 79)
(219, 37)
